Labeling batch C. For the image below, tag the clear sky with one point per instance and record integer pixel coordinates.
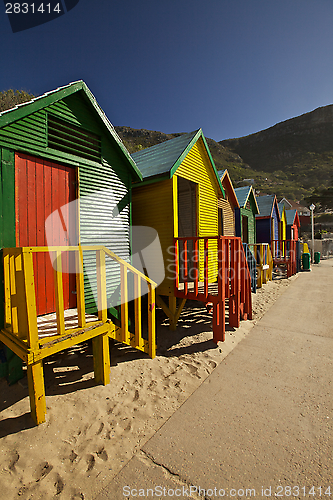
(231, 67)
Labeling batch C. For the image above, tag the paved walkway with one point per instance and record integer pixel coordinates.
(261, 420)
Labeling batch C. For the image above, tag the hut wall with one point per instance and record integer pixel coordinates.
(275, 218)
(196, 167)
(153, 207)
(228, 217)
(251, 224)
(105, 217)
(283, 226)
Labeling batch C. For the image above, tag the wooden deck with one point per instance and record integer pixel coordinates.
(47, 324)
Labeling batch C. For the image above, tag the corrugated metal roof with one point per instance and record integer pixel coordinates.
(160, 159)
(290, 214)
(242, 194)
(265, 204)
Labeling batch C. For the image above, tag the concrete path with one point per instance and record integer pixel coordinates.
(261, 424)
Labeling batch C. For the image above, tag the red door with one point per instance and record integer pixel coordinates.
(41, 187)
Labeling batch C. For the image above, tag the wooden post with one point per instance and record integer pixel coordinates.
(59, 294)
(151, 321)
(137, 312)
(124, 304)
(37, 392)
(101, 354)
(173, 310)
(81, 309)
(101, 285)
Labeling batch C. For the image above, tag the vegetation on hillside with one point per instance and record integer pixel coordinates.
(10, 98)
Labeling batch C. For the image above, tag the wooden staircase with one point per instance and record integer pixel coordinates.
(22, 331)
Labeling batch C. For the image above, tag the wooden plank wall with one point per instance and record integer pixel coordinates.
(153, 207)
(29, 135)
(196, 167)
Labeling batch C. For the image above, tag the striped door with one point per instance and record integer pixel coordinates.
(41, 187)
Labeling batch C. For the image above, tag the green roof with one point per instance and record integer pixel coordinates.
(162, 160)
(22, 110)
(243, 193)
(290, 214)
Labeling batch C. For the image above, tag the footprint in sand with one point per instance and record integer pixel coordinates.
(136, 395)
(73, 456)
(101, 427)
(42, 470)
(59, 485)
(102, 454)
(90, 462)
(13, 461)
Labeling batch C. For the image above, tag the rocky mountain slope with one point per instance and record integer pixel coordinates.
(289, 159)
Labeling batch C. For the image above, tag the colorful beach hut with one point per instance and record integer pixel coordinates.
(179, 199)
(245, 221)
(66, 181)
(227, 206)
(268, 219)
(283, 222)
(293, 224)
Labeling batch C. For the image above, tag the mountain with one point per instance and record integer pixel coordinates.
(289, 159)
(296, 155)
(136, 139)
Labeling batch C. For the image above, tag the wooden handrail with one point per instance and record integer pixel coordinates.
(20, 303)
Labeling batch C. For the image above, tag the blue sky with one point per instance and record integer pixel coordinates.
(229, 67)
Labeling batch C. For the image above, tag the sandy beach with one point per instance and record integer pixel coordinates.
(91, 431)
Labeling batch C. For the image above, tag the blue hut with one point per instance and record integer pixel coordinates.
(267, 223)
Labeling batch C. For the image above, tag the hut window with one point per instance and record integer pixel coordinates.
(66, 137)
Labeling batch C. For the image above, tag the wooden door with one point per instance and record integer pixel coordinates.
(187, 220)
(42, 187)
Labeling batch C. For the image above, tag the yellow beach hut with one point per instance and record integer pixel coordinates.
(179, 199)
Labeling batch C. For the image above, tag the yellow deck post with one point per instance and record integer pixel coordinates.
(151, 321)
(37, 391)
(81, 309)
(101, 354)
(59, 293)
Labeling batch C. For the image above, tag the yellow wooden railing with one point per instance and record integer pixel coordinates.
(20, 332)
(264, 260)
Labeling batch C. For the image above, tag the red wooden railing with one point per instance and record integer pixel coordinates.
(211, 270)
(284, 252)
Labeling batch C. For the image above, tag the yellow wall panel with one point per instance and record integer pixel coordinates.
(196, 167)
(153, 207)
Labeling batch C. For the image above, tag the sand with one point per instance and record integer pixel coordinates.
(92, 431)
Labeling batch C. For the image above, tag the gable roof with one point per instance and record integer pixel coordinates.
(266, 205)
(243, 194)
(22, 110)
(225, 178)
(292, 218)
(162, 160)
(281, 208)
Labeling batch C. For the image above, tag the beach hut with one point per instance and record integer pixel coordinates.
(245, 221)
(293, 224)
(65, 206)
(179, 199)
(283, 222)
(227, 206)
(245, 226)
(268, 219)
